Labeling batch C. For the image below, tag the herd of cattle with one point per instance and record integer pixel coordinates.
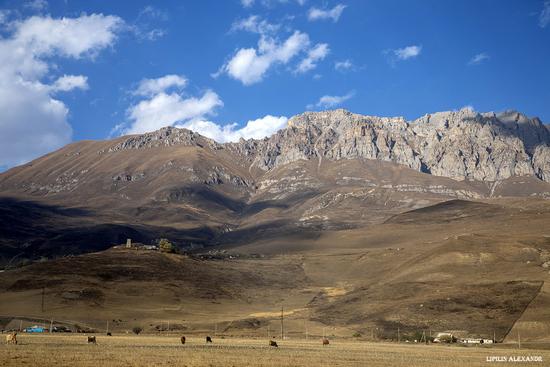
(11, 338)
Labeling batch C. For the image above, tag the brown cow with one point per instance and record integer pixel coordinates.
(183, 340)
(91, 339)
(325, 342)
(11, 338)
(273, 343)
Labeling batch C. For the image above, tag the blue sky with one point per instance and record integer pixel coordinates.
(73, 70)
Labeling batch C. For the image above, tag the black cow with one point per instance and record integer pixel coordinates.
(208, 339)
(91, 339)
(273, 343)
(183, 340)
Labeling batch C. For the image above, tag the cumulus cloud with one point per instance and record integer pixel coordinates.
(255, 24)
(249, 65)
(407, 52)
(254, 129)
(400, 54)
(158, 108)
(162, 106)
(544, 16)
(148, 87)
(343, 66)
(323, 14)
(168, 109)
(478, 59)
(67, 83)
(328, 101)
(317, 53)
(33, 121)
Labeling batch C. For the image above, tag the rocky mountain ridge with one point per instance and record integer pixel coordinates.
(462, 145)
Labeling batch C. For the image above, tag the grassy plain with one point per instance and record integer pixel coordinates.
(126, 350)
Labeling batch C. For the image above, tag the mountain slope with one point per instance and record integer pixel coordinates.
(326, 171)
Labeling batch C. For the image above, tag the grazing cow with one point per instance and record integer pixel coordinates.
(91, 339)
(325, 342)
(208, 339)
(11, 338)
(183, 340)
(273, 343)
(109, 334)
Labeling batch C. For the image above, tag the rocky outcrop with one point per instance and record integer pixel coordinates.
(459, 144)
(165, 137)
(462, 145)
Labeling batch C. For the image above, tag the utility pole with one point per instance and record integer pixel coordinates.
(107, 327)
(398, 335)
(20, 325)
(282, 324)
(43, 291)
(268, 336)
(168, 326)
(519, 340)
(305, 326)
(51, 325)
(215, 329)
(494, 336)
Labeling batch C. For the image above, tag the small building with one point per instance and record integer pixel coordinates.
(444, 337)
(476, 341)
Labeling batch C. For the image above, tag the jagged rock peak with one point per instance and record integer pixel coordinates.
(166, 136)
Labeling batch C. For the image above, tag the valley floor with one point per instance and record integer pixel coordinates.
(125, 350)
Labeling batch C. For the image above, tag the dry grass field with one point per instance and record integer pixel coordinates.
(63, 350)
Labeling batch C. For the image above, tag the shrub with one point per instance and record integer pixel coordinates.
(166, 246)
(136, 330)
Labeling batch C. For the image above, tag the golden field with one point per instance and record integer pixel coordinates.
(126, 350)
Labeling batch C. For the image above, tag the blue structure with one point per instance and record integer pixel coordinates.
(34, 329)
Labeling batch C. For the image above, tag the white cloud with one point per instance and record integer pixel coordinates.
(322, 14)
(32, 121)
(255, 24)
(544, 17)
(478, 59)
(343, 66)
(69, 37)
(149, 87)
(254, 129)
(269, 3)
(317, 53)
(407, 52)
(152, 13)
(330, 101)
(170, 109)
(160, 107)
(67, 83)
(249, 65)
(37, 5)
(145, 26)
